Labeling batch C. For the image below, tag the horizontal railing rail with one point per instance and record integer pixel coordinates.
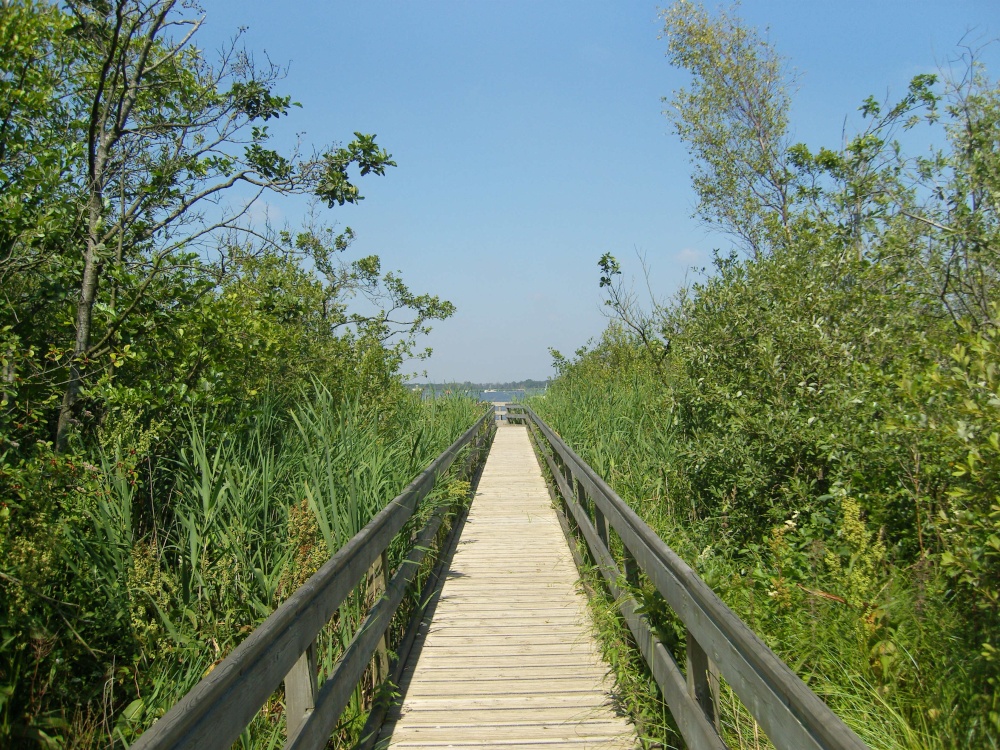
(283, 648)
(516, 413)
(718, 642)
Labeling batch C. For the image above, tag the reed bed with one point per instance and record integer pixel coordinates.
(622, 426)
(248, 517)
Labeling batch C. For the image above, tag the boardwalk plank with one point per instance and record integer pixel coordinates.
(509, 659)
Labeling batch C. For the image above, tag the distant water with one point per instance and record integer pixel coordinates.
(485, 395)
(501, 395)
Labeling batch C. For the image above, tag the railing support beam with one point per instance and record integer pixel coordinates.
(703, 680)
(300, 692)
(379, 572)
(601, 523)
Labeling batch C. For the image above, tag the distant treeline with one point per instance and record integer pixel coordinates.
(531, 386)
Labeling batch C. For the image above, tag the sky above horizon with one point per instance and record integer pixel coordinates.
(530, 140)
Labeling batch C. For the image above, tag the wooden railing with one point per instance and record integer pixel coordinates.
(283, 648)
(718, 642)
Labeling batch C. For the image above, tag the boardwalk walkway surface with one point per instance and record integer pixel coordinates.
(507, 658)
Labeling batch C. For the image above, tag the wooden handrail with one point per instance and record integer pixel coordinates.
(792, 716)
(282, 648)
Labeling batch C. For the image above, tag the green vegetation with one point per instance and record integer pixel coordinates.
(193, 415)
(814, 426)
(111, 619)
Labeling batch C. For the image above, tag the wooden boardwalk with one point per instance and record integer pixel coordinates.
(507, 657)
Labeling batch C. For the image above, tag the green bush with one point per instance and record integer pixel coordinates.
(829, 472)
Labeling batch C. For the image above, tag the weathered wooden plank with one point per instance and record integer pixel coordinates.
(491, 634)
(522, 616)
(510, 646)
(527, 718)
(538, 689)
(503, 700)
(487, 639)
(452, 729)
(566, 671)
(553, 744)
(509, 658)
(496, 670)
(549, 744)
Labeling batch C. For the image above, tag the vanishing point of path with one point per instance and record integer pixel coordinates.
(508, 658)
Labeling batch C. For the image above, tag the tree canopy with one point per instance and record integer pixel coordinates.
(141, 297)
(813, 423)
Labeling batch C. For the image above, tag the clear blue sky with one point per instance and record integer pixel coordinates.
(530, 140)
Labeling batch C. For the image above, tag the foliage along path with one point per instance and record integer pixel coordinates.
(509, 658)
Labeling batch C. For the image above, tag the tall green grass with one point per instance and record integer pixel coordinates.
(250, 515)
(621, 423)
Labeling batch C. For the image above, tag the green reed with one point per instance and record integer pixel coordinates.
(249, 515)
(623, 427)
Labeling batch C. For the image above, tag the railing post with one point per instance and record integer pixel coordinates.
(581, 494)
(703, 680)
(474, 447)
(379, 573)
(602, 525)
(300, 691)
(567, 501)
(631, 568)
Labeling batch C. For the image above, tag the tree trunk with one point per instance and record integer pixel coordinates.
(84, 318)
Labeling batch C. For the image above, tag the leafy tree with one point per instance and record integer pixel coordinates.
(38, 150)
(734, 119)
(959, 221)
(34, 154)
(819, 439)
(166, 135)
(137, 296)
